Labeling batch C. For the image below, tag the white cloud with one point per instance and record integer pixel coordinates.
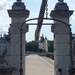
(5, 4)
(73, 18)
(72, 22)
(3, 31)
(4, 17)
(4, 22)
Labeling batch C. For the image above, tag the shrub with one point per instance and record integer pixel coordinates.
(50, 56)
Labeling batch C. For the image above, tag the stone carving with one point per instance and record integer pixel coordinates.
(8, 69)
(4, 66)
(18, 5)
(60, 0)
(19, 0)
(2, 45)
(61, 5)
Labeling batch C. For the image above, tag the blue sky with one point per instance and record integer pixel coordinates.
(34, 7)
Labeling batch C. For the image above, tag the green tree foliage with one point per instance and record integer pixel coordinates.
(32, 46)
(50, 46)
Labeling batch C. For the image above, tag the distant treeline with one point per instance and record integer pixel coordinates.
(33, 46)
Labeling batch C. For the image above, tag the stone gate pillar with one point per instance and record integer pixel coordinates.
(18, 15)
(61, 32)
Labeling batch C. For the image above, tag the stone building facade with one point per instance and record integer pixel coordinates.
(43, 44)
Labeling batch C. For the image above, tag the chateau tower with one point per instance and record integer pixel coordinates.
(43, 43)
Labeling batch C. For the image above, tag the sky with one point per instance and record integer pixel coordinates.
(34, 7)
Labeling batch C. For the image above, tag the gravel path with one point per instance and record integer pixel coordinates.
(36, 65)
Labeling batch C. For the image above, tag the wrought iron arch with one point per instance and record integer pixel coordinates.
(45, 19)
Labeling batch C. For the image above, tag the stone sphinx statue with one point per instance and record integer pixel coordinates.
(5, 68)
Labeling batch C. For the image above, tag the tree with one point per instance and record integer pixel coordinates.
(32, 46)
(50, 46)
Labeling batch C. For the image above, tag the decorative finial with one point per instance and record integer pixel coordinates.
(19, 0)
(60, 1)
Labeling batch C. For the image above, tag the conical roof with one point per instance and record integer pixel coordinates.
(42, 39)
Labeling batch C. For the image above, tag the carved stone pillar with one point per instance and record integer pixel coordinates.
(62, 61)
(18, 15)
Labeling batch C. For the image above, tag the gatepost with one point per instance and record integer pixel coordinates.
(18, 15)
(62, 33)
